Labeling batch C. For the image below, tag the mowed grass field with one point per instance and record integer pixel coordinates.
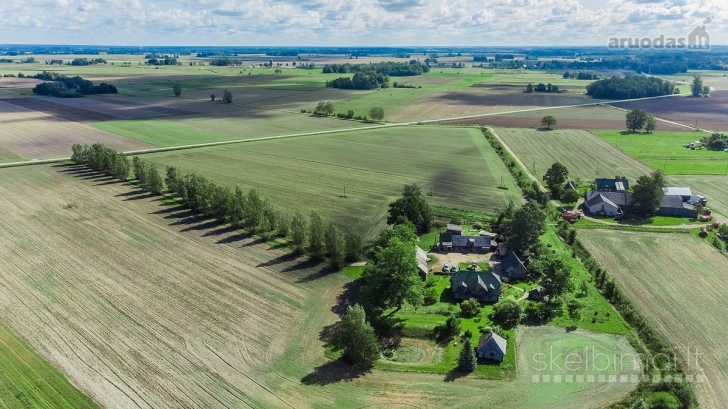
(310, 173)
(665, 151)
(679, 283)
(29, 381)
(181, 313)
(584, 155)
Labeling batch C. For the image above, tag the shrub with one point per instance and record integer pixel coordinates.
(448, 330)
(431, 295)
(507, 312)
(469, 308)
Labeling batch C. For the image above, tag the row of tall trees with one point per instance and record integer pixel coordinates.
(102, 159)
(249, 211)
(394, 69)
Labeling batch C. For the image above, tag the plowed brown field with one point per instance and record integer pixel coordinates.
(36, 135)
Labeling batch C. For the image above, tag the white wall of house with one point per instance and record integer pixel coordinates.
(603, 208)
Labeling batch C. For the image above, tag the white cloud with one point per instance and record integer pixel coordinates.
(354, 22)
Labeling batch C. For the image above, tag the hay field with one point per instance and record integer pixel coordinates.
(310, 173)
(181, 313)
(584, 155)
(665, 151)
(714, 188)
(679, 283)
(36, 135)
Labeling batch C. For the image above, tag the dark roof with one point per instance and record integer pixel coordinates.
(610, 184)
(499, 341)
(463, 241)
(672, 202)
(472, 279)
(569, 186)
(454, 227)
(446, 237)
(512, 262)
(618, 198)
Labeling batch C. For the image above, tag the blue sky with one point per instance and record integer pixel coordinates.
(353, 22)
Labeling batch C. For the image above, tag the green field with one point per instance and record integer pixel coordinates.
(679, 283)
(584, 155)
(29, 381)
(160, 133)
(665, 151)
(310, 173)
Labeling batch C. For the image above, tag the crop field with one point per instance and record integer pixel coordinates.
(479, 100)
(679, 283)
(714, 188)
(665, 151)
(181, 313)
(36, 135)
(29, 381)
(310, 173)
(710, 114)
(579, 117)
(584, 155)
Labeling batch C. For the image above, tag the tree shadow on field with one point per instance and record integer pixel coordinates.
(110, 181)
(334, 372)
(222, 229)
(454, 375)
(168, 210)
(135, 195)
(233, 238)
(346, 298)
(317, 273)
(204, 224)
(284, 258)
(328, 334)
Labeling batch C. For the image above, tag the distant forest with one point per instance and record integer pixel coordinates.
(372, 76)
(63, 86)
(638, 86)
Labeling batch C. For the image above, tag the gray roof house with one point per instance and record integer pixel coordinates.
(455, 229)
(452, 242)
(481, 285)
(600, 205)
(513, 267)
(492, 346)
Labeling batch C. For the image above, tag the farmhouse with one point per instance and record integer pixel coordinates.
(492, 346)
(481, 285)
(451, 242)
(615, 203)
(513, 267)
(611, 185)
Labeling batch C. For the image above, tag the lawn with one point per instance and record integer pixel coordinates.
(584, 155)
(455, 165)
(29, 381)
(679, 283)
(665, 151)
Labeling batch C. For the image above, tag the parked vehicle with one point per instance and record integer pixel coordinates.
(446, 268)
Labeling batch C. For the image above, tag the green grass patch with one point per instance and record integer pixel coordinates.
(665, 151)
(29, 381)
(160, 133)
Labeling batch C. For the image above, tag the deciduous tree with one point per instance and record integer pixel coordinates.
(636, 120)
(647, 193)
(697, 86)
(525, 228)
(298, 232)
(177, 90)
(548, 121)
(411, 207)
(377, 113)
(357, 337)
(316, 237)
(555, 177)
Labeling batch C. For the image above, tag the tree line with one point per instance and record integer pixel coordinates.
(638, 86)
(391, 68)
(62, 86)
(84, 61)
(361, 81)
(245, 211)
(545, 88)
(581, 75)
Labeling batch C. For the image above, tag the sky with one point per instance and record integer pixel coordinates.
(355, 22)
